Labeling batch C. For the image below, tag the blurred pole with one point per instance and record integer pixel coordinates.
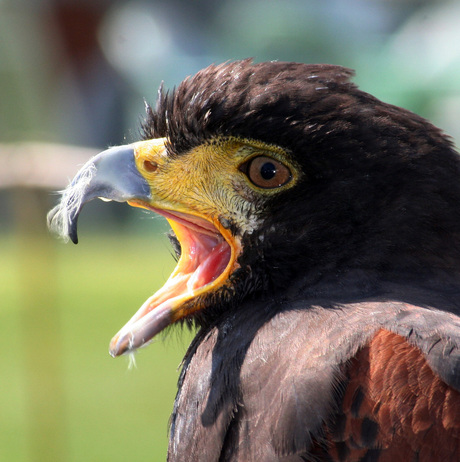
(45, 406)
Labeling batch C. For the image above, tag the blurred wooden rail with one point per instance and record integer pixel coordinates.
(32, 172)
(40, 165)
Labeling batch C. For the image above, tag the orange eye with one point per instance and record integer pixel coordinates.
(266, 172)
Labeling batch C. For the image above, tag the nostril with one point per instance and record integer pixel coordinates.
(150, 166)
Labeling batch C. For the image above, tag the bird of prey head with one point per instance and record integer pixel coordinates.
(317, 231)
(274, 176)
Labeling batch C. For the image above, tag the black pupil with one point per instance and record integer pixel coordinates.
(268, 171)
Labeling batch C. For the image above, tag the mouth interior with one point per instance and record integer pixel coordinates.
(204, 263)
(204, 255)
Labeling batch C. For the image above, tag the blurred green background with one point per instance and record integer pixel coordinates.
(73, 78)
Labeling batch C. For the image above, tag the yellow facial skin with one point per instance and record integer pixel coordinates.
(208, 181)
(207, 188)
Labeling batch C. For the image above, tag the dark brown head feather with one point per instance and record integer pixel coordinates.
(242, 99)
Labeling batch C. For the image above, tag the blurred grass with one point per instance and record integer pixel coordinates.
(106, 412)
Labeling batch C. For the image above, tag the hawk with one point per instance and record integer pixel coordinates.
(317, 231)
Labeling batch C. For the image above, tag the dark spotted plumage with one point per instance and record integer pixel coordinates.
(341, 338)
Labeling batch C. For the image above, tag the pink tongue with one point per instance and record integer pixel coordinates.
(211, 267)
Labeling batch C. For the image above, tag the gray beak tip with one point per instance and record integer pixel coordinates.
(112, 174)
(73, 233)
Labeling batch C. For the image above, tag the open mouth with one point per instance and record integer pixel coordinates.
(208, 256)
(209, 250)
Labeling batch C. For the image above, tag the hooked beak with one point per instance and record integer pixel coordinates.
(138, 174)
(111, 175)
